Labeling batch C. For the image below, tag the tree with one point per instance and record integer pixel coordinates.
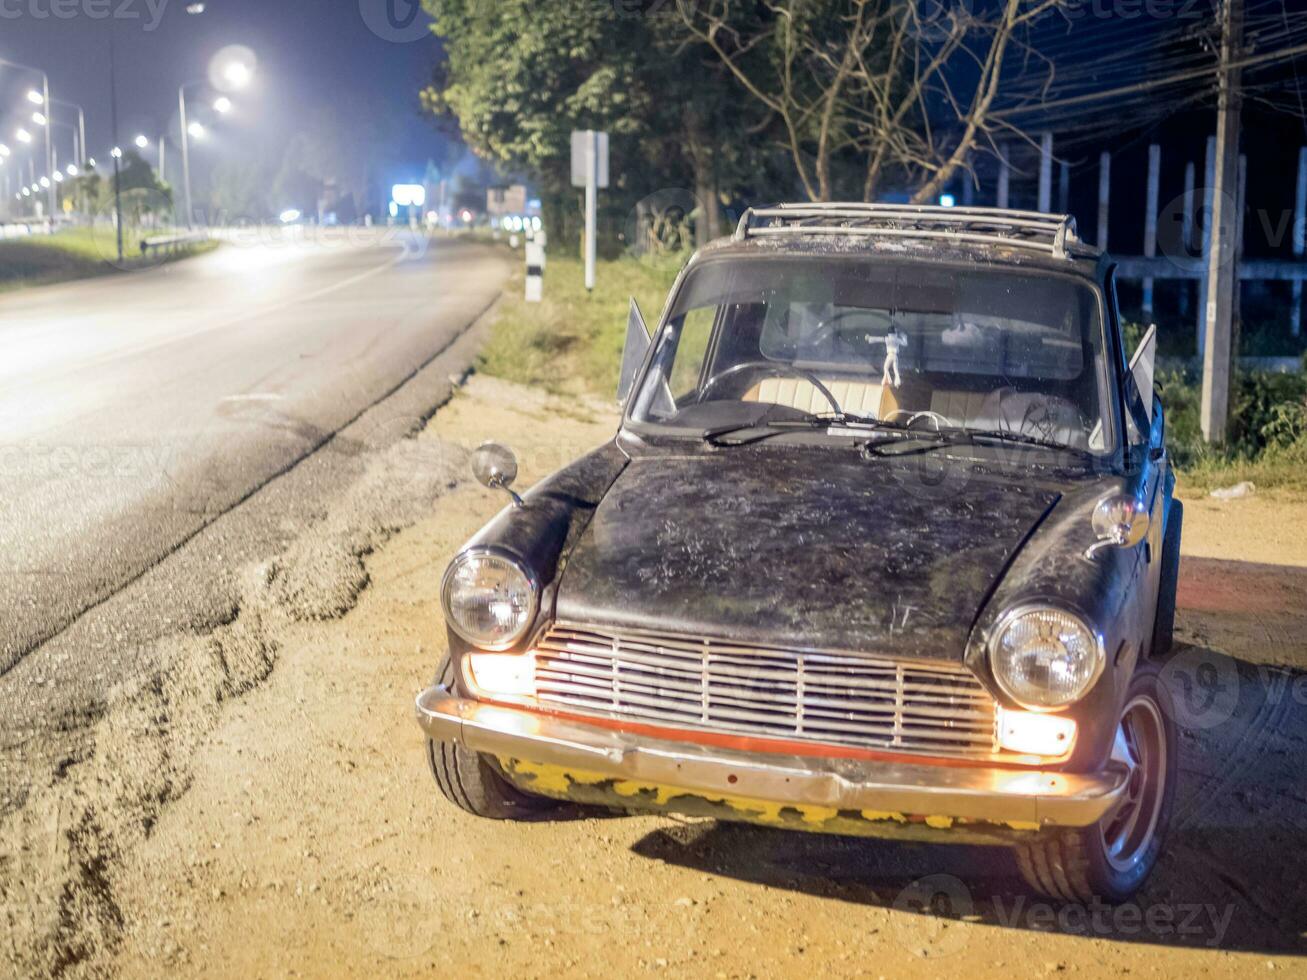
(520, 75)
(906, 86)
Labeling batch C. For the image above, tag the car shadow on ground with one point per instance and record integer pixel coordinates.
(1233, 875)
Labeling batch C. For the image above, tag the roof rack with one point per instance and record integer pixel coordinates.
(1033, 230)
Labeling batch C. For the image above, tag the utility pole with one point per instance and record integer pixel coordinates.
(1104, 196)
(1046, 172)
(1222, 274)
(1004, 177)
(1299, 238)
(1150, 222)
(117, 177)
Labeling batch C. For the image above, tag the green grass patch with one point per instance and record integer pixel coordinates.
(572, 341)
(78, 253)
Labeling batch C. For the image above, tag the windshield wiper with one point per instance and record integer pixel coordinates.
(928, 440)
(765, 429)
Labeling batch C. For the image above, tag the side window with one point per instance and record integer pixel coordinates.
(696, 331)
(1136, 415)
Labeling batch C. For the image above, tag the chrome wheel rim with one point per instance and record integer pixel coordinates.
(1140, 745)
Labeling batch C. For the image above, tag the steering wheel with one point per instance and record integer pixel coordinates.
(939, 420)
(826, 328)
(771, 367)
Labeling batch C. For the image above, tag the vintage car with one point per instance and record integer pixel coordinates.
(886, 544)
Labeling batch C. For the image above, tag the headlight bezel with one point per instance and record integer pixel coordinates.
(483, 552)
(1020, 610)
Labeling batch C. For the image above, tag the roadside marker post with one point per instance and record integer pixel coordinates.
(535, 272)
(590, 170)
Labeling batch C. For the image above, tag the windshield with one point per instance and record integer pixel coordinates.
(974, 348)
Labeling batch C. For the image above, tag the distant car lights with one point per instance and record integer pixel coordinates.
(408, 195)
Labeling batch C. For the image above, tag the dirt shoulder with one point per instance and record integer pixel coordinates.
(311, 840)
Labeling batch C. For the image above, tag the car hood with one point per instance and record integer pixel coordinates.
(804, 549)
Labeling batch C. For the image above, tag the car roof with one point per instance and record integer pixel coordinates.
(966, 236)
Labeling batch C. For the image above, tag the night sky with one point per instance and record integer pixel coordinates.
(311, 54)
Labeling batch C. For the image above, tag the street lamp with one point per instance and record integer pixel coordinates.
(23, 136)
(35, 97)
(116, 153)
(222, 105)
(237, 73)
(141, 142)
(49, 145)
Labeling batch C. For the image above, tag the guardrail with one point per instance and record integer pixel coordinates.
(168, 244)
(23, 229)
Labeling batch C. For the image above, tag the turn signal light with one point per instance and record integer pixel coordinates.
(1035, 734)
(503, 674)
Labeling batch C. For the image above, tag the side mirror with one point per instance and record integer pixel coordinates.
(1120, 522)
(637, 346)
(495, 467)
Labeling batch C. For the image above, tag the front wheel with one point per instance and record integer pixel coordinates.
(1111, 859)
(473, 782)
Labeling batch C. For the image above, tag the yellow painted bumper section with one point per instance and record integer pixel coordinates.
(580, 786)
(571, 759)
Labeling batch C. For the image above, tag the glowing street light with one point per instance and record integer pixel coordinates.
(58, 177)
(141, 142)
(222, 105)
(45, 182)
(4, 150)
(237, 74)
(116, 153)
(72, 170)
(23, 136)
(35, 97)
(39, 118)
(196, 131)
(91, 163)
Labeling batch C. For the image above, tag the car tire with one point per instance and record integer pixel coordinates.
(473, 782)
(1164, 624)
(1110, 860)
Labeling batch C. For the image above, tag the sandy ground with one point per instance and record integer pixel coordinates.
(312, 842)
(288, 825)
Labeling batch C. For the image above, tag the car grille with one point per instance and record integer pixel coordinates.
(930, 708)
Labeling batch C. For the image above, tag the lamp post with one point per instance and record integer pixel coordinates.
(49, 146)
(237, 74)
(79, 147)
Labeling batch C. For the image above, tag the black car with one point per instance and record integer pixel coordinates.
(886, 544)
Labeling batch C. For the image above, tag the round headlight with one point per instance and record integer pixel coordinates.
(1045, 657)
(489, 599)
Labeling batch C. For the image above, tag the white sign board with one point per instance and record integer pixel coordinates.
(580, 138)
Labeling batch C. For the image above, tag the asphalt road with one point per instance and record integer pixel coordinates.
(136, 410)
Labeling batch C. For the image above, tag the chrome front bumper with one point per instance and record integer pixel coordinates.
(1008, 796)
